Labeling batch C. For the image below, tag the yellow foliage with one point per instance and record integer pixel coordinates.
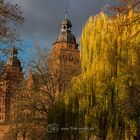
(110, 61)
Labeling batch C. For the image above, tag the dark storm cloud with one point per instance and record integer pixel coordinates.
(44, 16)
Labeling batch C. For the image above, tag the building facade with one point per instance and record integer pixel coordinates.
(63, 65)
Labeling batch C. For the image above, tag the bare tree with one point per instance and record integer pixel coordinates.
(125, 6)
(10, 15)
(37, 96)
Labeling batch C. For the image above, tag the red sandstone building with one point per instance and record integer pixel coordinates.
(11, 78)
(63, 64)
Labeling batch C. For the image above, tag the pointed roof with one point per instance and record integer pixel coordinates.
(31, 80)
(13, 61)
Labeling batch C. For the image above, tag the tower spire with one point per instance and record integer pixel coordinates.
(66, 12)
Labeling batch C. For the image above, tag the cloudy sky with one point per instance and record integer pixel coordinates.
(43, 17)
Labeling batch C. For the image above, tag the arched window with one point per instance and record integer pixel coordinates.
(2, 117)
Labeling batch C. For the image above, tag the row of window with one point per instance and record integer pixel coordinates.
(23, 115)
(13, 116)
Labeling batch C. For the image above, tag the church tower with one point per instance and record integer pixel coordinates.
(10, 81)
(64, 59)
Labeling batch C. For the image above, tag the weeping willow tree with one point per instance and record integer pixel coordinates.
(105, 96)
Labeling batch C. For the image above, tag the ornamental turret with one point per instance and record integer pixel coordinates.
(10, 82)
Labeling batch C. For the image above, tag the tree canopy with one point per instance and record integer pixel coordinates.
(106, 94)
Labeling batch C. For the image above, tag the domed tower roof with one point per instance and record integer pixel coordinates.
(65, 31)
(66, 36)
(13, 61)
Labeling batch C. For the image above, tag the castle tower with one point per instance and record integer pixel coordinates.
(10, 81)
(64, 59)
